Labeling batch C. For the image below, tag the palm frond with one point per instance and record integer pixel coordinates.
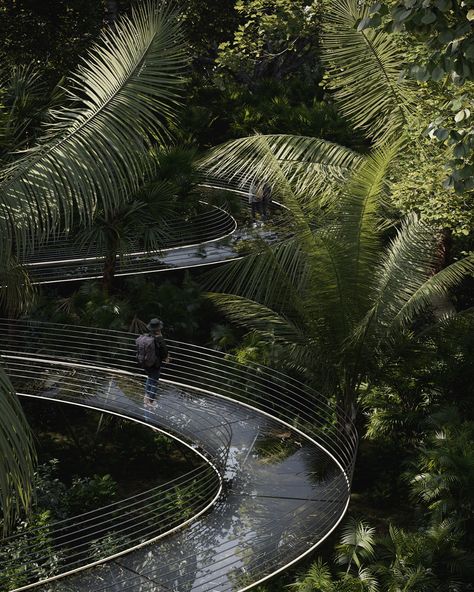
(368, 580)
(16, 290)
(410, 260)
(318, 578)
(18, 456)
(126, 88)
(453, 328)
(353, 237)
(23, 102)
(439, 285)
(257, 317)
(365, 71)
(275, 277)
(298, 167)
(285, 336)
(357, 543)
(409, 281)
(329, 295)
(122, 229)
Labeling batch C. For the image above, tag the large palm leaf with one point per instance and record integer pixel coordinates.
(24, 99)
(408, 281)
(17, 457)
(320, 273)
(297, 167)
(16, 291)
(122, 94)
(256, 276)
(270, 325)
(347, 248)
(365, 68)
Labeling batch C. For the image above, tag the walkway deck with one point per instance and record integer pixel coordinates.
(283, 468)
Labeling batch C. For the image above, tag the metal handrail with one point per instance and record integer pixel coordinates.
(32, 350)
(201, 240)
(202, 390)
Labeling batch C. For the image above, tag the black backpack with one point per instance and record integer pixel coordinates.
(146, 351)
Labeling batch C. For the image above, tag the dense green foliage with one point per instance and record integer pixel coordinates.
(87, 460)
(180, 303)
(444, 26)
(365, 114)
(439, 49)
(275, 39)
(50, 34)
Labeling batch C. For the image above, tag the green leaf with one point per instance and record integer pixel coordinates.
(375, 8)
(299, 168)
(438, 73)
(365, 23)
(469, 50)
(17, 454)
(460, 151)
(443, 5)
(421, 73)
(428, 17)
(445, 36)
(441, 134)
(401, 14)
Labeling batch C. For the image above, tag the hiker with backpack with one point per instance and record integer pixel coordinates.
(152, 352)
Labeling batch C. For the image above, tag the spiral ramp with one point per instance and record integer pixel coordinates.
(274, 458)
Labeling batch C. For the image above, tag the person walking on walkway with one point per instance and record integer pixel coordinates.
(255, 199)
(267, 200)
(152, 352)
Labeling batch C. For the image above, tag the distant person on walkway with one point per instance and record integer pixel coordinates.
(152, 352)
(266, 200)
(255, 198)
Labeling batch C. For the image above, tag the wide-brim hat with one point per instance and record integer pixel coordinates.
(155, 324)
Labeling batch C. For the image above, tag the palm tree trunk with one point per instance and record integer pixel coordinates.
(110, 266)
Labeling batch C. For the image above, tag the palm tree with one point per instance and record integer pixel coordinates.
(365, 72)
(24, 99)
(337, 295)
(141, 222)
(138, 224)
(87, 155)
(356, 548)
(421, 561)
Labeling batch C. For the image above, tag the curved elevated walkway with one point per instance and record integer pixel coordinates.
(276, 471)
(207, 238)
(202, 239)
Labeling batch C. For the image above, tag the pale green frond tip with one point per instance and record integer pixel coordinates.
(365, 70)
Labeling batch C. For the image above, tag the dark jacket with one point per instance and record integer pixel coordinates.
(161, 348)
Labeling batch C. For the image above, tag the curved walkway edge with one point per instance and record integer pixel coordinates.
(279, 458)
